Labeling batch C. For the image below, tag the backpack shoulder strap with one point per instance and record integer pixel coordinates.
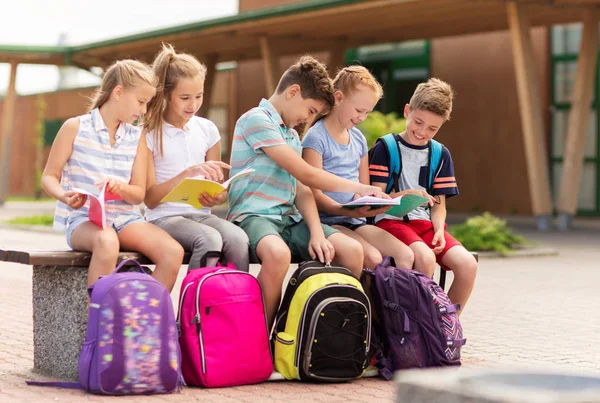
(391, 142)
(435, 159)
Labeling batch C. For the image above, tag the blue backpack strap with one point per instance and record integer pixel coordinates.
(435, 158)
(391, 144)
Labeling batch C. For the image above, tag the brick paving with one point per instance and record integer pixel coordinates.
(538, 312)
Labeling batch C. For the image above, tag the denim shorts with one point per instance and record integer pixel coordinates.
(75, 222)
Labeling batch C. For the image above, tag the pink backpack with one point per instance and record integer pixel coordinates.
(223, 328)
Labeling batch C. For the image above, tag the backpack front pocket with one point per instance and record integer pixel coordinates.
(337, 344)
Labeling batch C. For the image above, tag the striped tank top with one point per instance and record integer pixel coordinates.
(93, 159)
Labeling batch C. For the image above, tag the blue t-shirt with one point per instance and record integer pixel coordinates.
(338, 159)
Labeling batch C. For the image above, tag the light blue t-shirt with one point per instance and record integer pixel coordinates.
(338, 159)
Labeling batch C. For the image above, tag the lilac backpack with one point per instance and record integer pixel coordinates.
(130, 345)
(223, 329)
(417, 325)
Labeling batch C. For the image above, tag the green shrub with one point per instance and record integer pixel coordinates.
(377, 124)
(486, 233)
(33, 220)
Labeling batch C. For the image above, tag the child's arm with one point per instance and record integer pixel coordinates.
(154, 193)
(312, 177)
(61, 150)
(318, 246)
(330, 206)
(134, 191)
(438, 219)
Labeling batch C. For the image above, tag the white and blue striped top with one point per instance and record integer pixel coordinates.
(92, 159)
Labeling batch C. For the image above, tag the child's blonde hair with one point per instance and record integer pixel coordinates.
(169, 67)
(434, 96)
(349, 78)
(128, 73)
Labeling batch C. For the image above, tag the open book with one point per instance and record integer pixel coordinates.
(97, 214)
(400, 206)
(190, 189)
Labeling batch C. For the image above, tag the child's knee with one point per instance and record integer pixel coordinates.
(372, 257)
(351, 255)
(106, 244)
(405, 258)
(237, 238)
(210, 240)
(466, 270)
(425, 261)
(276, 259)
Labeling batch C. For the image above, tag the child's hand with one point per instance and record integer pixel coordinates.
(438, 241)
(113, 185)
(374, 191)
(208, 201)
(74, 200)
(319, 247)
(421, 193)
(212, 170)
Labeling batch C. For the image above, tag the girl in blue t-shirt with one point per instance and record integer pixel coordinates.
(337, 146)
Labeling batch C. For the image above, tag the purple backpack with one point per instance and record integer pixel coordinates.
(131, 344)
(417, 325)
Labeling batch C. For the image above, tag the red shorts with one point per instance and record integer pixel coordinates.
(417, 231)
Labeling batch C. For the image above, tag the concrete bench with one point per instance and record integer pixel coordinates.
(60, 305)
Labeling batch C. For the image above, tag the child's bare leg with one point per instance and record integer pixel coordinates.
(464, 267)
(276, 257)
(387, 245)
(153, 242)
(424, 258)
(348, 253)
(104, 245)
(372, 257)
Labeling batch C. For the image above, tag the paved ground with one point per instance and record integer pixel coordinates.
(537, 311)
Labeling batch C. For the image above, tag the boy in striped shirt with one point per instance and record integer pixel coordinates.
(274, 204)
(423, 229)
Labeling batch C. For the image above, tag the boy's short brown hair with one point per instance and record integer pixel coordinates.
(313, 79)
(434, 96)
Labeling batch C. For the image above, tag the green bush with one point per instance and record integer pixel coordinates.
(486, 233)
(377, 124)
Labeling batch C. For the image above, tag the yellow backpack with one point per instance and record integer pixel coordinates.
(323, 326)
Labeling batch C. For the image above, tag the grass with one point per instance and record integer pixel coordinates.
(45, 220)
(28, 199)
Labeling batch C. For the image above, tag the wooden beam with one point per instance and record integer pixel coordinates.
(232, 113)
(337, 57)
(271, 65)
(531, 115)
(8, 119)
(209, 83)
(578, 119)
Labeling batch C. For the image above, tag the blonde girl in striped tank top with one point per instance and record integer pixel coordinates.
(103, 147)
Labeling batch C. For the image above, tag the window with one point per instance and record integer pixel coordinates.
(565, 42)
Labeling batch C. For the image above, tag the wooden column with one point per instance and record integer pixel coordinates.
(271, 65)
(232, 113)
(337, 57)
(8, 118)
(531, 115)
(209, 83)
(578, 120)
